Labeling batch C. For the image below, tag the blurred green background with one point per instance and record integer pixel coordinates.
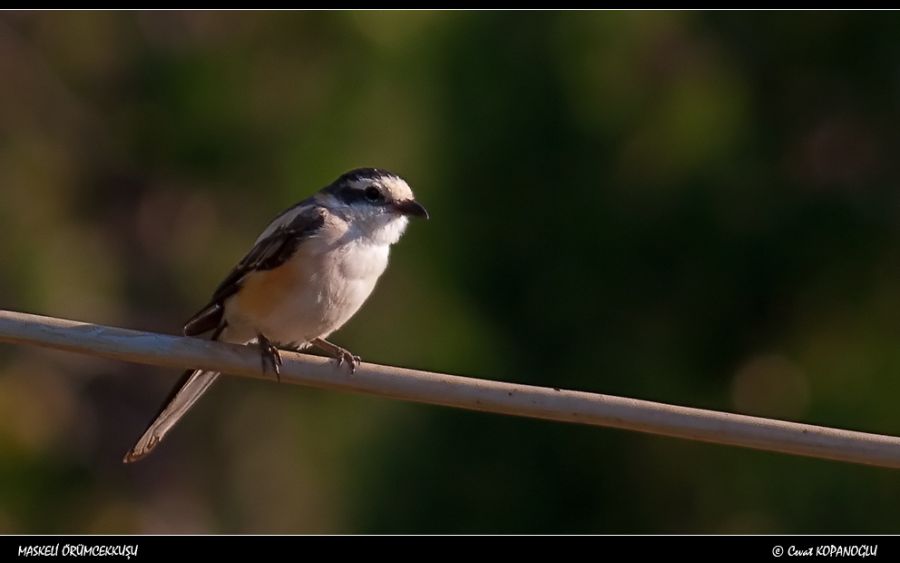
(695, 208)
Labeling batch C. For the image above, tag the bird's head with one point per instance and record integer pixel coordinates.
(374, 200)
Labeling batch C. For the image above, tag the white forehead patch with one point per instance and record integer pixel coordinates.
(395, 188)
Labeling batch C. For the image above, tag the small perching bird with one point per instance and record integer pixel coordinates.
(308, 272)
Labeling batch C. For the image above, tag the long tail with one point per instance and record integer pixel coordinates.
(190, 387)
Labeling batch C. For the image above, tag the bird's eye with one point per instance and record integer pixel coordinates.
(373, 194)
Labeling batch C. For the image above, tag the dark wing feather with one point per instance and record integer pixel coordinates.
(267, 254)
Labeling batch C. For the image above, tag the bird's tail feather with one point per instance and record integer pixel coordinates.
(190, 387)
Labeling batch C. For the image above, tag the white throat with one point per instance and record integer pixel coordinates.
(383, 229)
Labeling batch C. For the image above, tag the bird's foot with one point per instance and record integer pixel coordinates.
(268, 353)
(352, 359)
(342, 355)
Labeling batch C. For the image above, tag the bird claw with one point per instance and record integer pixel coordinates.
(342, 355)
(352, 360)
(269, 354)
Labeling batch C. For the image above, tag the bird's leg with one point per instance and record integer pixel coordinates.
(269, 353)
(295, 346)
(340, 354)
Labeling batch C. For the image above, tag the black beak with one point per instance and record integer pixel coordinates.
(411, 208)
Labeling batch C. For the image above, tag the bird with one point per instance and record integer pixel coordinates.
(307, 274)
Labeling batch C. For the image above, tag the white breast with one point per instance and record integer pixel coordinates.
(349, 280)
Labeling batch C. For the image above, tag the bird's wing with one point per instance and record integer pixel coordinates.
(277, 243)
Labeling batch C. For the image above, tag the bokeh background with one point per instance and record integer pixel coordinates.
(695, 208)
